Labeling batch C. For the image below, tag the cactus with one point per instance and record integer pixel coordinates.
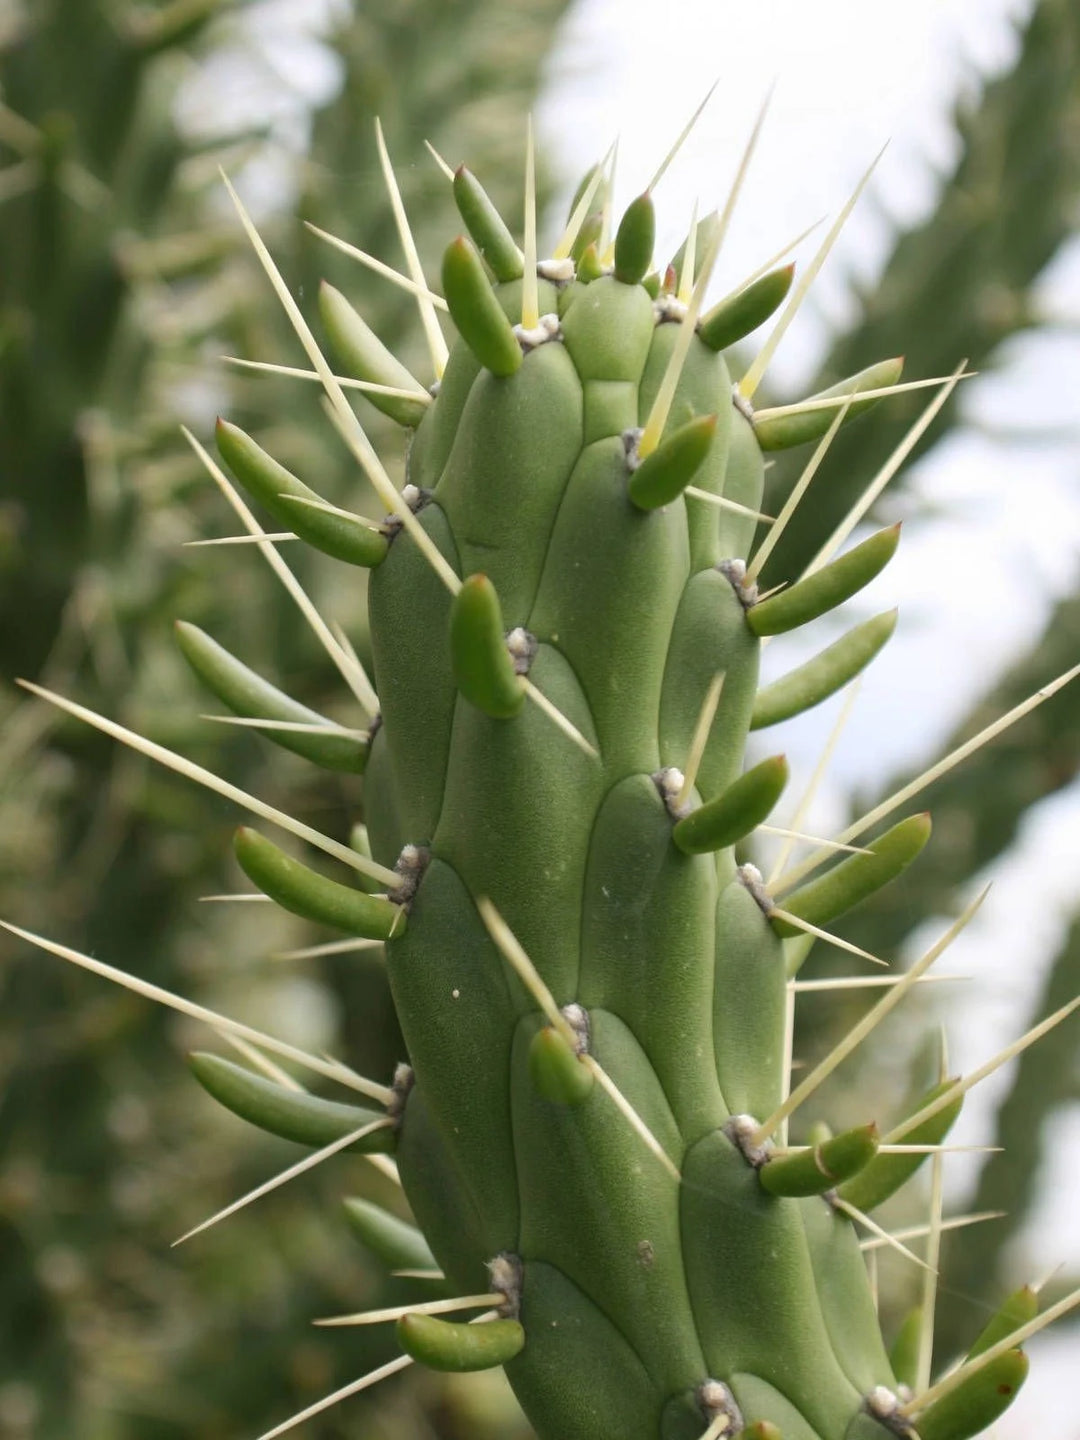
(595, 995)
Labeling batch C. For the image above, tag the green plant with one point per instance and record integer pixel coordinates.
(596, 998)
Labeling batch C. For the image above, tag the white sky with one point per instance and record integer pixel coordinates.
(976, 582)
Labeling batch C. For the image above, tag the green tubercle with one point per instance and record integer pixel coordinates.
(457, 1346)
(474, 309)
(487, 227)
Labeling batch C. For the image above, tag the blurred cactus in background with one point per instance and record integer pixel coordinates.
(117, 283)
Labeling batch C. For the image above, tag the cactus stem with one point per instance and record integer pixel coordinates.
(307, 1163)
(294, 726)
(341, 413)
(207, 778)
(353, 1388)
(367, 387)
(581, 210)
(350, 669)
(684, 134)
(776, 912)
(814, 783)
(686, 274)
(654, 425)
(702, 729)
(379, 267)
(447, 169)
(512, 951)
(725, 504)
(425, 1307)
(771, 830)
(917, 1232)
(886, 473)
(934, 772)
(986, 1357)
(967, 1082)
(752, 379)
(436, 341)
(330, 947)
(332, 1069)
(276, 537)
(552, 711)
(845, 1208)
(765, 549)
(277, 1073)
(866, 1025)
(530, 294)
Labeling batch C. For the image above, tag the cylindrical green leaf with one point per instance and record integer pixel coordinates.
(589, 266)
(976, 1402)
(887, 1173)
(588, 237)
(248, 694)
(556, 1069)
(857, 876)
(292, 1114)
(1020, 1307)
(634, 240)
(305, 892)
(904, 1355)
(367, 358)
(399, 1245)
(761, 1430)
(487, 227)
(664, 475)
(822, 676)
(781, 432)
(482, 665)
(345, 537)
(735, 811)
(475, 310)
(823, 1167)
(826, 588)
(739, 315)
(457, 1346)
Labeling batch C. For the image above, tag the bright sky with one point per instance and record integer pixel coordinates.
(850, 75)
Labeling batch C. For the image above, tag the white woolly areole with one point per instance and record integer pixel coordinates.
(669, 782)
(669, 307)
(505, 1272)
(741, 403)
(547, 328)
(556, 270)
(715, 1399)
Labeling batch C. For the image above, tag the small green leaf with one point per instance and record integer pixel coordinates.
(735, 811)
(857, 876)
(367, 358)
(556, 1069)
(822, 676)
(739, 315)
(976, 1402)
(399, 1245)
(887, 1173)
(305, 892)
(482, 665)
(664, 475)
(634, 240)
(904, 1355)
(248, 694)
(823, 1167)
(781, 432)
(487, 227)
(292, 1114)
(457, 1346)
(826, 588)
(475, 310)
(1019, 1307)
